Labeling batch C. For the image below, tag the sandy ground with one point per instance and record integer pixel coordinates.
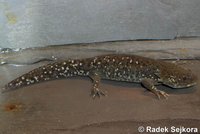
(65, 107)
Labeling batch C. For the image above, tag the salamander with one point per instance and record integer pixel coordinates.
(117, 67)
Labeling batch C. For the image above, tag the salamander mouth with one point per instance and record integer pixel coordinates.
(193, 84)
(185, 86)
(181, 85)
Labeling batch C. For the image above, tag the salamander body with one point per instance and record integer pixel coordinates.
(117, 67)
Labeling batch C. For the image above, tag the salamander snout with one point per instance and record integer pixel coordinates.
(181, 79)
(187, 80)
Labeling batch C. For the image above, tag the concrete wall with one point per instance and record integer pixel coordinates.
(28, 23)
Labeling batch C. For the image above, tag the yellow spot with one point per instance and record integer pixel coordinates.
(12, 19)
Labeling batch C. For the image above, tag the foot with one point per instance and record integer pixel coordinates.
(159, 93)
(97, 92)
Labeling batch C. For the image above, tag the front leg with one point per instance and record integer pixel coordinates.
(150, 85)
(95, 89)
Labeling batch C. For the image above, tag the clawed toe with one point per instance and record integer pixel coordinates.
(96, 92)
(161, 93)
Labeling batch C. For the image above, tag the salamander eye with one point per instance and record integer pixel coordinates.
(184, 78)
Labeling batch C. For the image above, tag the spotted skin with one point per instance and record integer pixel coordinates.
(117, 67)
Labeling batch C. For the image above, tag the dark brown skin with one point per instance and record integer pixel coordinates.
(118, 67)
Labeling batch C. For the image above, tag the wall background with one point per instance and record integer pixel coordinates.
(27, 23)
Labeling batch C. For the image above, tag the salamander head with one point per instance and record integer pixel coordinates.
(178, 77)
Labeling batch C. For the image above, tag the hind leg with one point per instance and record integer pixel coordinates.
(95, 89)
